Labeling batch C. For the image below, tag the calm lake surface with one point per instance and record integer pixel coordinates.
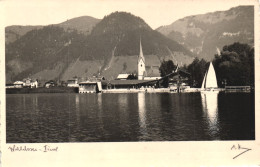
(129, 117)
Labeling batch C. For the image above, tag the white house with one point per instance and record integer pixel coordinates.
(73, 83)
(34, 84)
(29, 83)
(18, 84)
(122, 76)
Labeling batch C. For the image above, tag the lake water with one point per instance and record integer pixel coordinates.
(111, 117)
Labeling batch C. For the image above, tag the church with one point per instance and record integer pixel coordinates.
(146, 72)
(147, 69)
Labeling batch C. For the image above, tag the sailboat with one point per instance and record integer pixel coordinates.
(210, 80)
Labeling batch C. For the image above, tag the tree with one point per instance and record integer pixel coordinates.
(167, 67)
(132, 76)
(197, 69)
(235, 65)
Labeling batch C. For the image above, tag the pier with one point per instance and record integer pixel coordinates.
(238, 88)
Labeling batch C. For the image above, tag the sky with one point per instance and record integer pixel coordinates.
(155, 12)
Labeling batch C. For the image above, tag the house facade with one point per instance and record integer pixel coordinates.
(73, 83)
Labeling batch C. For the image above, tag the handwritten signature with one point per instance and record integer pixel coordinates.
(238, 147)
(45, 148)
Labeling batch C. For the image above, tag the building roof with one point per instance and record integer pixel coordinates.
(124, 82)
(152, 71)
(87, 82)
(18, 82)
(152, 60)
(123, 76)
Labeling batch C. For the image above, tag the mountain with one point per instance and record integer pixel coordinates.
(12, 33)
(83, 24)
(41, 49)
(206, 34)
(112, 47)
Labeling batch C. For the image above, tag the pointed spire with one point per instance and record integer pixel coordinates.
(141, 56)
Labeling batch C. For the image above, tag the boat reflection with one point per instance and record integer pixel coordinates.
(142, 114)
(209, 101)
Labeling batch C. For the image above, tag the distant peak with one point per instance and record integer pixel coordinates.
(80, 18)
(119, 22)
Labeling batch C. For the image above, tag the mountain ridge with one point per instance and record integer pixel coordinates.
(112, 45)
(82, 24)
(204, 34)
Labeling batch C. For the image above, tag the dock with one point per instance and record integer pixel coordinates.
(238, 88)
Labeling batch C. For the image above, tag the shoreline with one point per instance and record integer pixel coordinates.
(144, 90)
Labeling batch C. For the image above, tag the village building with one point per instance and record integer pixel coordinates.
(73, 83)
(34, 84)
(152, 72)
(18, 84)
(27, 83)
(90, 87)
(122, 77)
(49, 84)
(147, 69)
(125, 84)
(30, 83)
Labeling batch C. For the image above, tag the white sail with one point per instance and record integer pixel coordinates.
(210, 79)
(203, 83)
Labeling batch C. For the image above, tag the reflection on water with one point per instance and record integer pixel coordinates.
(210, 107)
(35, 102)
(142, 114)
(129, 117)
(77, 108)
(99, 100)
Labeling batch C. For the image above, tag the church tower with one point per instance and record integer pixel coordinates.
(141, 64)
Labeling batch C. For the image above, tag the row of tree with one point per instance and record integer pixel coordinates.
(234, 67)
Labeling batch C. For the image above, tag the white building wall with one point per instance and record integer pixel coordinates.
(141, 69)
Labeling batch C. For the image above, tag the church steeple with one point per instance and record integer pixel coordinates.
(141, 64)
(141, 56)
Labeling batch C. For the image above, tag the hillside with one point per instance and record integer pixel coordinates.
(41, 49)
(83, 24)
(206, 34)
(12, 33)
(112, 47)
